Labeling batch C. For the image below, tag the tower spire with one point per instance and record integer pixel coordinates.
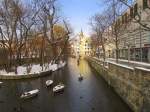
(81, 33)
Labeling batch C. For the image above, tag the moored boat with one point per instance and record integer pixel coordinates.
(80, 78)
(58, 88)
(30, 94)
(1, 83)
(49, 82)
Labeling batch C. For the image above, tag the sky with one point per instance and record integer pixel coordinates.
(78, 12)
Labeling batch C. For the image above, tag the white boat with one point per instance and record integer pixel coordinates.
(80, 77)
(49, 82)
(58, 88)
(30, 94)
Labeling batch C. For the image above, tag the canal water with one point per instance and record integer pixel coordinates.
(90, 95)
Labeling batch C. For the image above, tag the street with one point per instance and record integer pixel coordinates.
(90, 95)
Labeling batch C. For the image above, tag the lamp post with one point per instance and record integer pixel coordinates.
(141, 52)
(109, 53)
(128, 44)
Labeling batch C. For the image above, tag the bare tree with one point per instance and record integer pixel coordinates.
(8, 28)
(27, 20)
(16, 23)
(21, 24)
(66, 37)
(49, 19)
(46, 18)
(100, 24)
(115, 10)
(94, 43)
(138, 17)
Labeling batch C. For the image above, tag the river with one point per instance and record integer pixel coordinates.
(92, 94)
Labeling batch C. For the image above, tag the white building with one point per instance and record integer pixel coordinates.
(133, 38)
(82, 46)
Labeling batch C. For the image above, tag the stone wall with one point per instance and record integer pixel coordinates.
(132, 84)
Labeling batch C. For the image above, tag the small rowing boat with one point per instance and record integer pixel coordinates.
(30, 94)
(58, 88)
(49, 82)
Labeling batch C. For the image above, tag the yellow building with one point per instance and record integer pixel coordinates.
(81, 45)
(84, 45)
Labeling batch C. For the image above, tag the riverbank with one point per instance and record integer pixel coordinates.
(131, 83)
(35, 71)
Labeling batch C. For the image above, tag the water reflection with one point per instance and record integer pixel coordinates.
(83, 68)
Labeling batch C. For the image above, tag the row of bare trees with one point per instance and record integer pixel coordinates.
(104, 25)
(99, 23)
(22, 21)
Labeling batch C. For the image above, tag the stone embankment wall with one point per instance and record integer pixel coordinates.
(132, 84)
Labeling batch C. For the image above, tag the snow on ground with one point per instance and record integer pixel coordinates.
(34, 69)
(3, 72)
(21, 70)
(62, 64)
(144, 69)
(131, 62)
(53, 67)
(121, 65)
(128, 64)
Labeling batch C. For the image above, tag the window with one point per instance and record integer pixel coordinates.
(125, 18)
(128, 17)
(122, 19)
(118, 22)
(131, 13)
(135, 9)
(145, 4)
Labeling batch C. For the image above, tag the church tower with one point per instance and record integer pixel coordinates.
(81, 35)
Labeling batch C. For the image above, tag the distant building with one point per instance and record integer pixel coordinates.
(82, 45)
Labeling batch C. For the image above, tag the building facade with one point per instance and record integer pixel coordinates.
(82, 45)
(134, 39)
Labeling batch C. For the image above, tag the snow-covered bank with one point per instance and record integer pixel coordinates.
(131, 63)
(34, 69)
(125, 62)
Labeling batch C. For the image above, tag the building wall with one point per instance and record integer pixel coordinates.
(132, 36)
(82, 46)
